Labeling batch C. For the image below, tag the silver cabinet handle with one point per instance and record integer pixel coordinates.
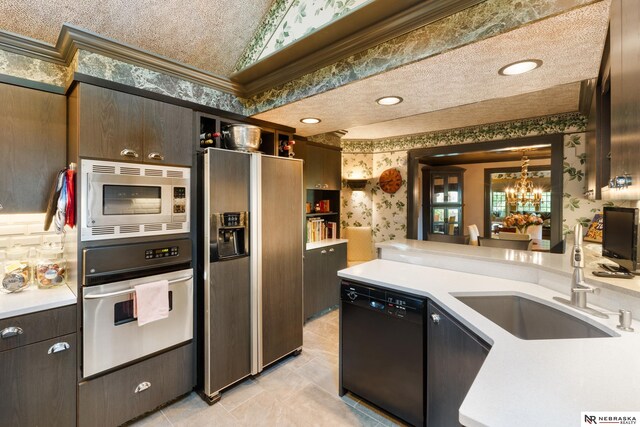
(128, 152)
(142, 386)
(435, 318)
(130, 290)
(11, 331)
(58, 347)
(323, 252)
(155, 156)
(332, 250)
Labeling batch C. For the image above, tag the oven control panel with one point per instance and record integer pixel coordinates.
(170, 251)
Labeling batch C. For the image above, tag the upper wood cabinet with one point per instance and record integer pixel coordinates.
(108, 124)
(32, 147)
(167, 132)
(625, 95)
(322, 166)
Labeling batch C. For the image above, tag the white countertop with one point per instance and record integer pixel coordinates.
(524, 382)
(34, 299)
(415, 251)
(324, 243)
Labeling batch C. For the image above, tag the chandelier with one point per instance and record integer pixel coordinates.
(522, 192)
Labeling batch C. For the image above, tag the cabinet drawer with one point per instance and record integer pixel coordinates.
(38, 326)
(112, 399)
(38, 384)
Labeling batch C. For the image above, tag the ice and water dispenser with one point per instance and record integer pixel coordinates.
(229, 235)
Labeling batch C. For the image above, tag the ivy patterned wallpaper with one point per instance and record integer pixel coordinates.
(576, 207)
(386, 213)
(290, 20)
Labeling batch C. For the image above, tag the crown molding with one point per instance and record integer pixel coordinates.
(378, 22)
(72, 38)
(29, 47)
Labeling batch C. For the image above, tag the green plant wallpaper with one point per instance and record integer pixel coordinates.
(290, 20)
(386, 214)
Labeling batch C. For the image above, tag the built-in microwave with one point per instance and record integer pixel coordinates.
(128, 200)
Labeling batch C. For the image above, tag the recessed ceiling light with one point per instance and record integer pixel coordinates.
(520, 67)
(389, 100)
(310, 120)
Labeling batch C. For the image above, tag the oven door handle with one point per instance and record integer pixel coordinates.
(130, 290)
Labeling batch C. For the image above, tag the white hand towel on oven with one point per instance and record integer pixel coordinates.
(151, 301)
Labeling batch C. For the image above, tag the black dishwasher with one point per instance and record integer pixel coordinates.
(382, 349)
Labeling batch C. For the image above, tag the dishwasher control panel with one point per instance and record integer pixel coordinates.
(391, 303)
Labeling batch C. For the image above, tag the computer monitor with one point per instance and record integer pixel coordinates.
(620, 236)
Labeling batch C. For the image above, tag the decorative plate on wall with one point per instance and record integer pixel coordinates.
(390, 180)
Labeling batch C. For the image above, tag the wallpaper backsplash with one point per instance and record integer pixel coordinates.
(386, 213)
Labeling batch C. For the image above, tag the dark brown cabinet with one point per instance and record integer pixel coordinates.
(120, 396)
(108, 124)
(167, 133)
(38, 369)
(454, 358)
(321, 283)
(32, 147)
(624, 34)
(322, 167)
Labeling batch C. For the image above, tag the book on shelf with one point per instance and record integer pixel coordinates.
(332, 229)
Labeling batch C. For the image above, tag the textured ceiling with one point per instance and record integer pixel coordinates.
(570, 45)
(209, 35)
(558, 99)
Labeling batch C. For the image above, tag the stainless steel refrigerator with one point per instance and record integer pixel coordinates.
(253, 248)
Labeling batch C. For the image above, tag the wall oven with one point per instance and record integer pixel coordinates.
(111, 335)
(129, 200)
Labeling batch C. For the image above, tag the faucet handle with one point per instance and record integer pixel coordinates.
(587, 289)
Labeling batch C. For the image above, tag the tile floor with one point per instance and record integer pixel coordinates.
(297, 391)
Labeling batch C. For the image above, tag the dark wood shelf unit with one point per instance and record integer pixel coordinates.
(311, 215)
(207, 123)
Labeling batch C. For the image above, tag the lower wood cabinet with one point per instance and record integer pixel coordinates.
(38, 383)
(454, 358)
(321, 283)
(120, 396)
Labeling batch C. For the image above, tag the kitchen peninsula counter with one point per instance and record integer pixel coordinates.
(534, 267)
(522, 382)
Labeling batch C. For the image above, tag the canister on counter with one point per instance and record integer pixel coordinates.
(50, 268)
(16, 269)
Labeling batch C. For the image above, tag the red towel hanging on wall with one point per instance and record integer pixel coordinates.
(70, 219)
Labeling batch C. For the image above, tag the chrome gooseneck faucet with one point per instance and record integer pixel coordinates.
(579, 289)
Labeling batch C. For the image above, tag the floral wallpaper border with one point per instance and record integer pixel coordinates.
(560, 123)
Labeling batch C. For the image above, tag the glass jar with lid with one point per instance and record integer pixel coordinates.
(16, 271)
(50, 268)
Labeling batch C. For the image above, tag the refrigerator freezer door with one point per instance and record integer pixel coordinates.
(227, 296)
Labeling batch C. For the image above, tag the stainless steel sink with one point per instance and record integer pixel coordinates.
(531, 320)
